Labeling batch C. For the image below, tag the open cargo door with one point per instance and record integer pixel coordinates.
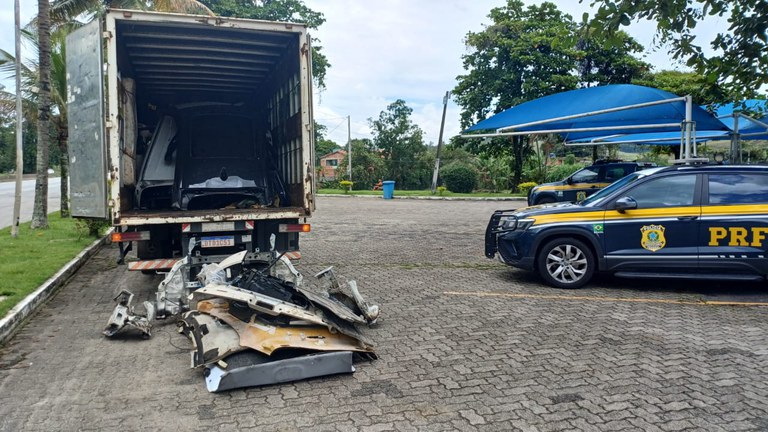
(310, 202)
(85, 108)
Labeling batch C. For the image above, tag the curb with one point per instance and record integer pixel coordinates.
(16, 316)
(434, 198)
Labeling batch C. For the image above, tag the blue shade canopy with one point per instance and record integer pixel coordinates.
(593, 99)
(652, 138)
(727, 112)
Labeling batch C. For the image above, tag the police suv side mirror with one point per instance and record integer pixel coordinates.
(569, 180)
(625, 203)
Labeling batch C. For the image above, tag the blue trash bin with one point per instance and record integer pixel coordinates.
(389, 189)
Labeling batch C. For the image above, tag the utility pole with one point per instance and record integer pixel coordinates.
(349, 147)
(440, 143)
(19, 120)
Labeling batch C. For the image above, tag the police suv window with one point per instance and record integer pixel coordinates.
(738, 188)
(670, 191)
(585, 176)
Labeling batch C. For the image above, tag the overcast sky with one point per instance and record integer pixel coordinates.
(396, 49)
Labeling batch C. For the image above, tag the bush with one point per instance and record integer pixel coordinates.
(459, 177)
(557, 173)
(346, 185)
(526, 187)
(87, 227)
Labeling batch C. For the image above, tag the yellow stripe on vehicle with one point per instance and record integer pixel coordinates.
(547, 188)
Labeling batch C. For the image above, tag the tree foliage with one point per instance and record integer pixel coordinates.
(530, 52)
(401, 144)
(367, 165)
(684, 83)
(740, 62)
(460, 177)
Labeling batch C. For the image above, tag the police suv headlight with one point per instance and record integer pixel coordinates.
(523, 224)
(508, 223)
(512, 223)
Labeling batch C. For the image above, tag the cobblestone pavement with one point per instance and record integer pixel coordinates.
(503, 352)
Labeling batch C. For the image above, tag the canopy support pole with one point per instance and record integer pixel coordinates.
(736, 140)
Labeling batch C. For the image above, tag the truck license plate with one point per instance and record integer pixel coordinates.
(214, 242)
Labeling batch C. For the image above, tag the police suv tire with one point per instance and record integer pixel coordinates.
(566, 263)
(545, 200)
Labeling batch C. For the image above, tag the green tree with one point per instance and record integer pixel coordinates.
(401, 143)
(40, 209)
(740, 62)
(530, 52)
(525, 53)
(367, 165)
(600, 61)
(684, 83)
(58, 88)
(278, 10)
(323, 145)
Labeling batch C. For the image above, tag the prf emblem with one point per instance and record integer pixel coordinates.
(581, 196)
(653, 237)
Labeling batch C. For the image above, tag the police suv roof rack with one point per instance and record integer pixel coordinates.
(605, 161)
(691, 161)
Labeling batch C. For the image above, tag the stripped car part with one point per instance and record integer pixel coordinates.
(336, 291)
(124, 315)
(263, 336)
(251, 368)
(212, 339)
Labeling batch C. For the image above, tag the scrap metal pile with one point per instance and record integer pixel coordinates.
(266, 326)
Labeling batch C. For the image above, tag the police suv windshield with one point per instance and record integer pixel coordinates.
(595, 199)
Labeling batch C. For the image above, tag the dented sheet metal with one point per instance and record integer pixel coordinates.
(266, 338)
(255, 321)
(259, 370)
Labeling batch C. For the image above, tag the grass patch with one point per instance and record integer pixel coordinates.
(424, 193)
(34, 256)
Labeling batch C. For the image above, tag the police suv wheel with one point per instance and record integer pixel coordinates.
(566, 263)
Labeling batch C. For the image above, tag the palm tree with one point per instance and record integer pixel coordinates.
(29, 74)
(64, 14)
(40, 209)
(67, 11)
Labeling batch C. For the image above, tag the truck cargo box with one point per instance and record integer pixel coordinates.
(182, 119)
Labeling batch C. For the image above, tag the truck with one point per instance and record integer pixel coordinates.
(193, 135)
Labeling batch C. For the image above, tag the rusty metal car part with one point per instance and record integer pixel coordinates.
(250, 368)
(266, 338)
(124, 316)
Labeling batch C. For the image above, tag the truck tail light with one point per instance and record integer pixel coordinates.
(128, 236)
(294, 228)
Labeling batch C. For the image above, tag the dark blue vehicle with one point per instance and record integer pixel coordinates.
(584, 182)
(692, 221)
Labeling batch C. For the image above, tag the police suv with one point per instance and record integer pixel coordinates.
(686, 221)
(583, 182)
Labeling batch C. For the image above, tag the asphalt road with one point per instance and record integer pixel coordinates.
(465, 343)
(8, 192)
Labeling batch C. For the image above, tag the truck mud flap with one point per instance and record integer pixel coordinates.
(258, 369)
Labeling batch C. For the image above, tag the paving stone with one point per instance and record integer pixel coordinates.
(525, 362)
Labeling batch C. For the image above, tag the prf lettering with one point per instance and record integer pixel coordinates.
(738, 236)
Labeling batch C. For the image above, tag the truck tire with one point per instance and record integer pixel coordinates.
(545, 200)
(566, 263)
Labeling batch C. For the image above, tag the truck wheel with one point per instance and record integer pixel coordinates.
(545, 200)
(566, 263)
